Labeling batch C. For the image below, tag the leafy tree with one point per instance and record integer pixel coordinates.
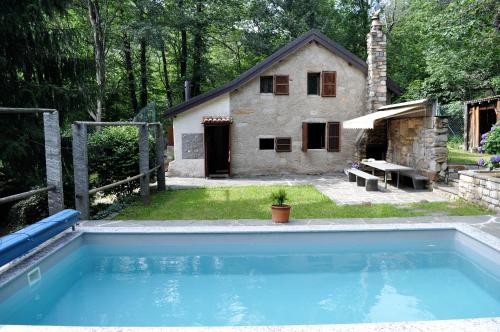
(446, 49)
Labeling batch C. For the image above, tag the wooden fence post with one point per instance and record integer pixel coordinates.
(80, 167)
(160, 157)
(144, 162)
(53, 161)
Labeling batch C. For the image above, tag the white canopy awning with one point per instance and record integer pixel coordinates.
(368, 121)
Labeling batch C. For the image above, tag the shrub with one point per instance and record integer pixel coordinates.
(27, 211)
(456, 141)
(114, 156)
(490, 142)
(279, 197)
(491, 163)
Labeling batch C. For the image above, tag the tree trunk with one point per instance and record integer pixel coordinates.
(165, 76)
(183, 58)
(144, 74)
(130, 73)
(198, 51)
(99, 53)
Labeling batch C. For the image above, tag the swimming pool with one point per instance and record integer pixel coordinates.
(257, 278)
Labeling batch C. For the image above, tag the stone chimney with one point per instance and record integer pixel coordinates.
(377, 65)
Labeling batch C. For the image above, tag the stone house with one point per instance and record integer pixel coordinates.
(286, 114)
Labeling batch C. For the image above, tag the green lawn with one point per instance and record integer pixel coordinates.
(459, 156)
(456, 155)
(253, 202)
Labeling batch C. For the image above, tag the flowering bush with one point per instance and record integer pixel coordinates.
(491, 163)
(355, 165)
(490, 141)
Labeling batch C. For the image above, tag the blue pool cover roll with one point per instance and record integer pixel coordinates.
(22, 241)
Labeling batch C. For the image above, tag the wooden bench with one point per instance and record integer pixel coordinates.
(418, 181)
(370, 182)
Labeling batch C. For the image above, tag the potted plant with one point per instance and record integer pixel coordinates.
(280, 211)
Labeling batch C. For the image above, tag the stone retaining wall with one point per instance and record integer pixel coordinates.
(480, 187)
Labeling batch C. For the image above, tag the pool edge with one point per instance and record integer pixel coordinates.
(476, 324)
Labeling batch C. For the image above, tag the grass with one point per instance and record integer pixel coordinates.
(253, 202)
(456, 155)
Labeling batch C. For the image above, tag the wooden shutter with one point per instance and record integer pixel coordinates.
(333, 132)
(281, 85)
(283, 144)
(304, 136)
(329, 84)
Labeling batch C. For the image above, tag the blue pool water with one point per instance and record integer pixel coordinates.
(115, 280)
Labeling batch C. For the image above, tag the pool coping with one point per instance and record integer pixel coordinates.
(22, 265)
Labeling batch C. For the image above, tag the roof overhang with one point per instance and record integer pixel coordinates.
(417, 108)
(216, 120)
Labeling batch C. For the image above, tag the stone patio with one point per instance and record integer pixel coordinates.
(335, 186)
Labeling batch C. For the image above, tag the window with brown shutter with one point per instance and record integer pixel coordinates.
(266, 144)
(283, 144)
(333, 136)
(329, 84)
(281, 85)
(266, 84)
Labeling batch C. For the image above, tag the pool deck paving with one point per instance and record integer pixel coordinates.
(484, 228)
(334, 186)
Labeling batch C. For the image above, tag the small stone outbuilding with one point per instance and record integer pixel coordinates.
(410, 133)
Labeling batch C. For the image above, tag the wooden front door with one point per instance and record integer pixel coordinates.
(217, 150)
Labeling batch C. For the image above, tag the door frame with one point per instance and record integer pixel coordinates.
(228, 125)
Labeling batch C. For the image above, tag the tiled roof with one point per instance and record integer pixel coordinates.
(217, 120)
(312, 35)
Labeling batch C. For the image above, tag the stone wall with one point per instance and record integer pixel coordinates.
(480, 187)
(419, 142)
(259, 115)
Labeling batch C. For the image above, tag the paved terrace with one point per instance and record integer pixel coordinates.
(335, 186)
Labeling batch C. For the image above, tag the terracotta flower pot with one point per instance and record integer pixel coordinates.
(280, 213)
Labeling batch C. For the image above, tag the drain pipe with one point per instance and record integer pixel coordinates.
(187, 90)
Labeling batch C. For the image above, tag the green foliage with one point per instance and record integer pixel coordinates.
(279, 197)
(27, 212)
(491, 141)
(445, 49)
(454, 109)
(114, 156)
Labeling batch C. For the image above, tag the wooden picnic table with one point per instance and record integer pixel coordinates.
(386, 167)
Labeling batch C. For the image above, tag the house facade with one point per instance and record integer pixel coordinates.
(285, 114)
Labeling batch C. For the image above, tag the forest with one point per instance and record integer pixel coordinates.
(108, 59)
